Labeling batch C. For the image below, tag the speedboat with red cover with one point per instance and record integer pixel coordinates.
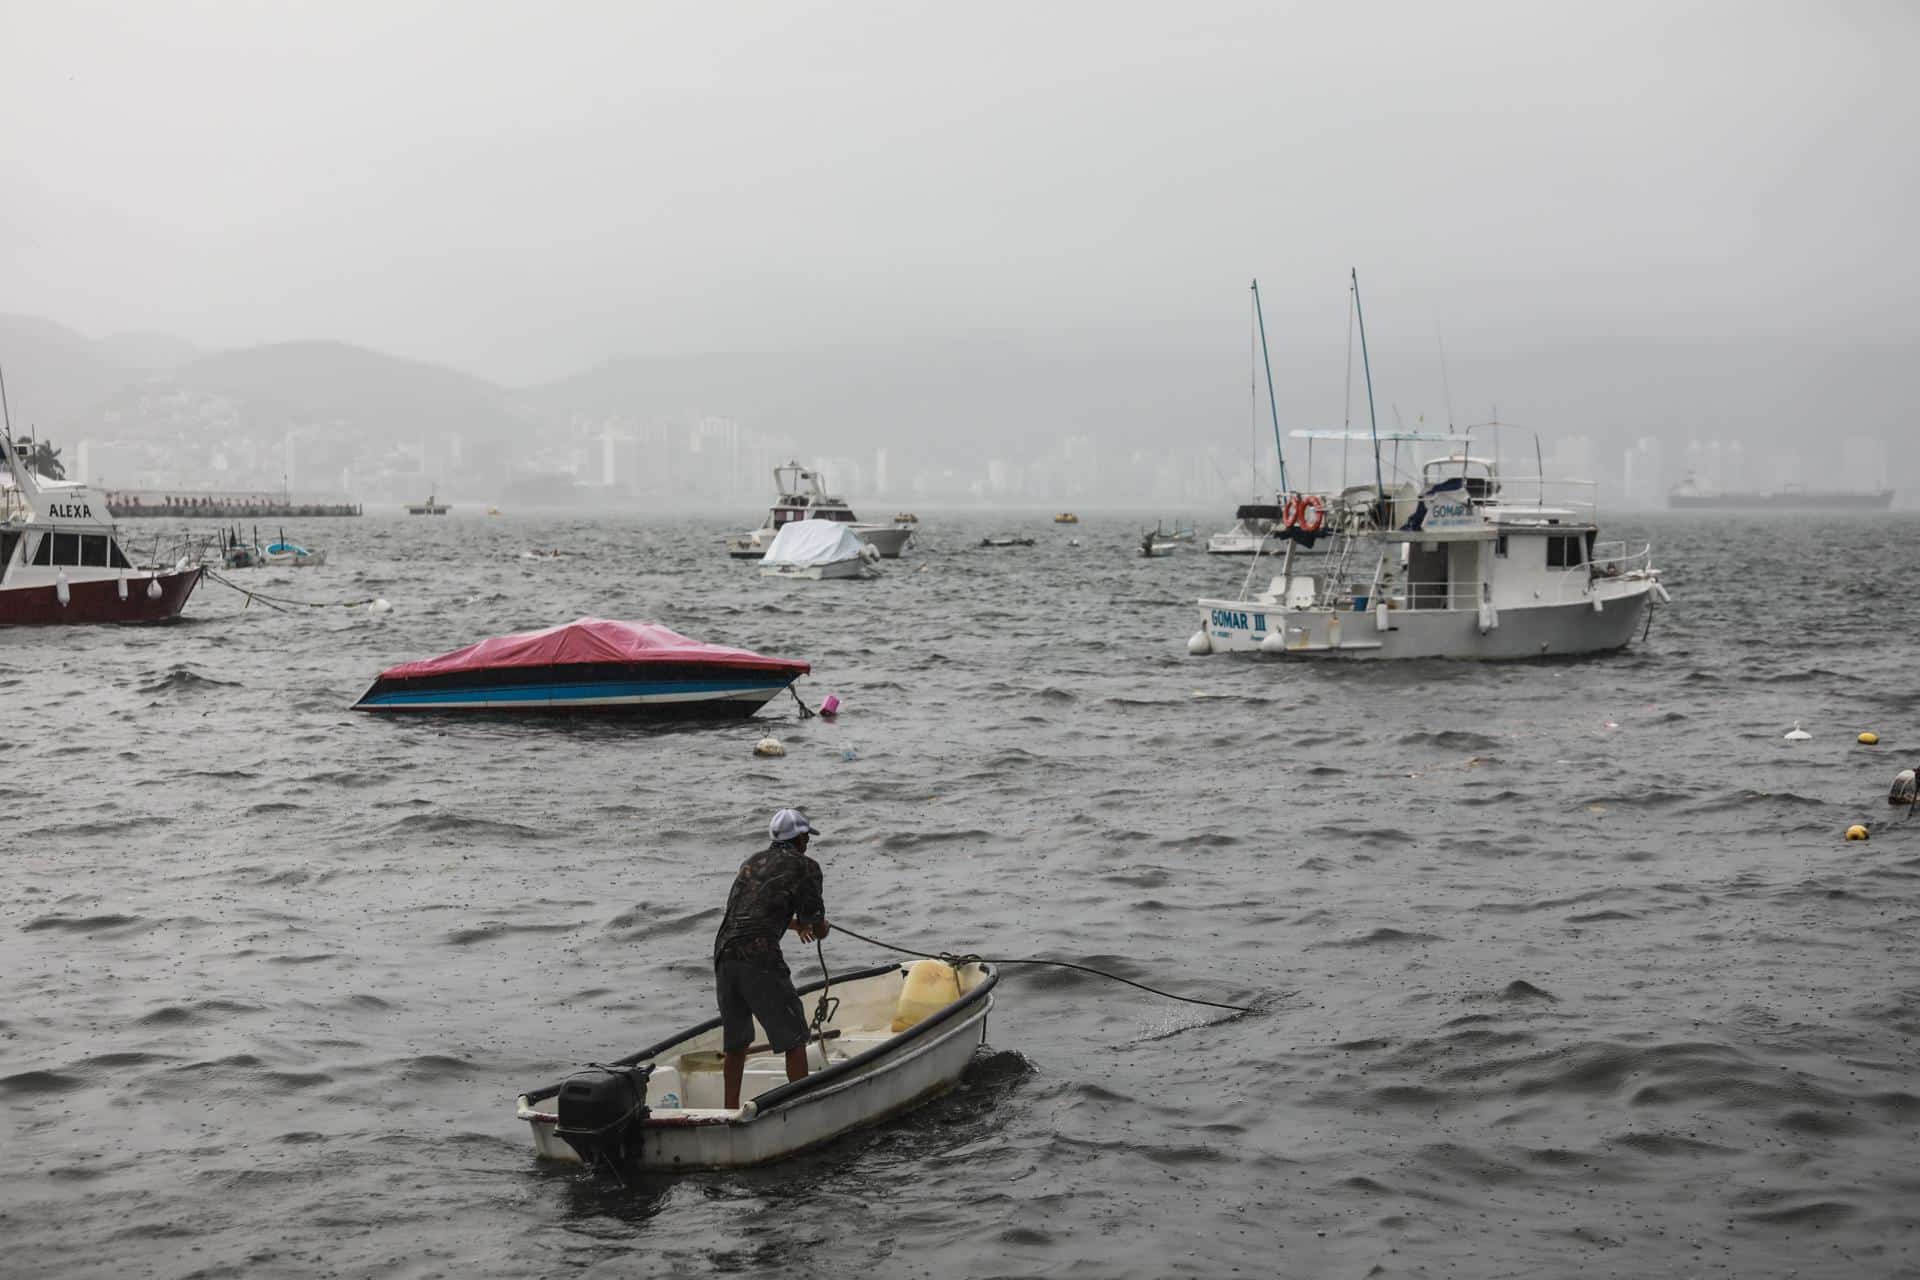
(590, 665)
(61, 560)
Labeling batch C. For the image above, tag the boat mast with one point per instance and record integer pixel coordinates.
(1373, 421)
(1272, 408)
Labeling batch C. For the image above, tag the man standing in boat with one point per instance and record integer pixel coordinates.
(777, 889)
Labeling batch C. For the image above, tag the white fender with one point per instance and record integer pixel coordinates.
(153, 588)
(1198, 644)
(121, 585)
(61, 591)
(1490, 618)
(1276, 642)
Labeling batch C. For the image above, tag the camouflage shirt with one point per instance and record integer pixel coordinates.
(775, 886)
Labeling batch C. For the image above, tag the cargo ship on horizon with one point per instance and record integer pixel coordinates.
(1689, 495)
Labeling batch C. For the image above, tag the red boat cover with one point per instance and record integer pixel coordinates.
(591, 640)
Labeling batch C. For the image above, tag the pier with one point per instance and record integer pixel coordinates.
(128, 504)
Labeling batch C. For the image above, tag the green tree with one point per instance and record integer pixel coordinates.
(44, 460)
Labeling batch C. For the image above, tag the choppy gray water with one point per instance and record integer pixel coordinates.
(1564, 966)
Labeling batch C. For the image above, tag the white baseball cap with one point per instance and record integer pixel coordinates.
(788, 823)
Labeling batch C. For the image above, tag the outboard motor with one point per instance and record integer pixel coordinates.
(601, 1111)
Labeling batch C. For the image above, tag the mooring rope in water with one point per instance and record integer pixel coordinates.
(806, 712)
(282, 604)
(958, 960)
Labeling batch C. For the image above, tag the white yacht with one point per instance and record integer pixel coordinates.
(1252, 532)
(1462, 561)
(62, 560)
(813, 502)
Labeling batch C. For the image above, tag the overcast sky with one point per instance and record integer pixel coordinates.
(521, 190)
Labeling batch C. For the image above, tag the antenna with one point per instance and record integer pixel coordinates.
(1253, 417)
(1373, 421)
(1446, 386)
(1272, 408)
(5, 413)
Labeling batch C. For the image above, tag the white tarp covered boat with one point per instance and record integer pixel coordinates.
(892, 1041)
(818, 549)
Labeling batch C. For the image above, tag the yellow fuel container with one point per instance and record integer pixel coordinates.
(932, 985)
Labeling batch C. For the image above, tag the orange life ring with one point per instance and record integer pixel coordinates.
(1312, 514)
(1290, 512)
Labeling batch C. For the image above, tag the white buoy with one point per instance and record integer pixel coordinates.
(1275, 642)
(1797, 734)
(61, 591)
(1198, 644)
(122, 584)
(379, 605)
(153, 588)
(769, 747)
(1906, 786)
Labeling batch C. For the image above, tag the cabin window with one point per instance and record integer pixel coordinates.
(93, 550)
(1592, 536)
(1563, 551)
(9, 539)
(43, 553)
(1500, 547)
(66, 548)
(116, 558)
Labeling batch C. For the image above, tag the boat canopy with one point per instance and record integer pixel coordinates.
(1259, 511)
(587, 640)
(805, 543)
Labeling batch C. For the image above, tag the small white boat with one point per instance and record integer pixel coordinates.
(818, 549)
(813, 502)
(891, 1042)
(1254, 524)
(291, 555)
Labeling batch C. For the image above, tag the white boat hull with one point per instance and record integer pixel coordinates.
(1520, 632)
(1244, 544)
(905, 1070)
(856, 568)
(888, 539)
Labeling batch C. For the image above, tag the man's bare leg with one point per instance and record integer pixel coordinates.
(732, 1067)
(797, 1063)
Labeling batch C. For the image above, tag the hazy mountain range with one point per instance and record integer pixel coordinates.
(960, 403)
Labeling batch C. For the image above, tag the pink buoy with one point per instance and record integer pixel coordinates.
(830, 706)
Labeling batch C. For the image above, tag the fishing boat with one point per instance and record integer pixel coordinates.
(1160, 541)
(62, 561)
(897, 1036)
(590, 665)
(1066, 517)
(818, 549)
(1456, 558)
(802, 495)
(1006, 540)
(431, 507)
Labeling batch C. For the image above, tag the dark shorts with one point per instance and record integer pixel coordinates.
(747, 992)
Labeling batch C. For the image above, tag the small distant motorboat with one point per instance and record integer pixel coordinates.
(1006, 540)
(1066, 517)
(589, 665)
(906, 520)
(291, 555)
(431, 507)
(543, 553)
(898, 1036)
(818, 549)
